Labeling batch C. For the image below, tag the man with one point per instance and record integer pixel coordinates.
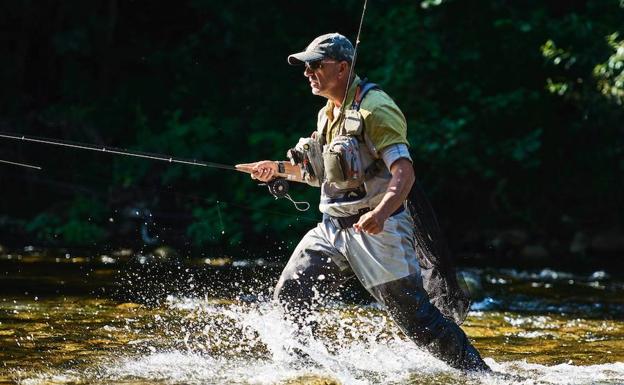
(366, 230)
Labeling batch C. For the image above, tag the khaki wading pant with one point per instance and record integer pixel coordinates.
(387, 266)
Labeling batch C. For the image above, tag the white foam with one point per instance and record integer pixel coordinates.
(565, 374)
(197, 341)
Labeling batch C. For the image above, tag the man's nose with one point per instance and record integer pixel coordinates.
(307, 71)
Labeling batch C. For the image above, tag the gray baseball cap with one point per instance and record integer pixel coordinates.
(329, 46)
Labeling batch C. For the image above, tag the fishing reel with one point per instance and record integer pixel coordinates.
(278, 187)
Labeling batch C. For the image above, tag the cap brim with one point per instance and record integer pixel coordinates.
(305, 56)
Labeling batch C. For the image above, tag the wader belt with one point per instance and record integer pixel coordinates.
(346, 222)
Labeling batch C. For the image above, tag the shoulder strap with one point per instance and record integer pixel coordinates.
(321, 127)
(361, 91)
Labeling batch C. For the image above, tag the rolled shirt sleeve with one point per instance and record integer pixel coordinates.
(394, 152)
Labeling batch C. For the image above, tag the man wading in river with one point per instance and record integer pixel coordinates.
(359, 158)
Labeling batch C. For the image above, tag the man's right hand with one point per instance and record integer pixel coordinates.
(263, 170)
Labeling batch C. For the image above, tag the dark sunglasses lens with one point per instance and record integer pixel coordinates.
(314, 65)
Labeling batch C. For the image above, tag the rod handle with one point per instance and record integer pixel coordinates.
(248, 168)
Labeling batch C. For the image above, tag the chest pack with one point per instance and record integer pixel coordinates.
(343, 162)
(339, 162)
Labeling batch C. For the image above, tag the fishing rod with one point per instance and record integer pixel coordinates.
(116, 151)
(277, 187)
(355, 52)
(20, 164)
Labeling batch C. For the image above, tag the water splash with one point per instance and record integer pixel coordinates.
(245, 339)
(204, 341)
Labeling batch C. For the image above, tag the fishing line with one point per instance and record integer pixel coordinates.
(20, 164)
(355, 49)
(93, 178)
(240, 206)
(278, 187)
(117, 151)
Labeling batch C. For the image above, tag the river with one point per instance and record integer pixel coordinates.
(63, 320)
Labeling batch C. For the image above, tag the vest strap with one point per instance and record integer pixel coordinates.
(361, 91)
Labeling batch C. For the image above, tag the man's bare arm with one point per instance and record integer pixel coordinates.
(398, 189)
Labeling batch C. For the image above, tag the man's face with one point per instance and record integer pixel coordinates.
(324, 76)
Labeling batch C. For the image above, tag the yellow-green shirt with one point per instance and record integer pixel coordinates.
(384, 123)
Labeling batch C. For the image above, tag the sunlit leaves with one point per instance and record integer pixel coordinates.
(430, 3)
(559, 88)
(557, 55)
(610, 75)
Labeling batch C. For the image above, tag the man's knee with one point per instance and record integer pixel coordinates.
(406, 294)
(304, 277)
(408, 303)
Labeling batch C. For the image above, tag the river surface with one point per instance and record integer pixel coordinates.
(63, 320)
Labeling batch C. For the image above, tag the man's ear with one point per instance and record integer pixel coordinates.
(344, 68)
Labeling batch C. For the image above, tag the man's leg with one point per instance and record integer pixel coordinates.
(387, 265)
(408, 304)
(314, 269)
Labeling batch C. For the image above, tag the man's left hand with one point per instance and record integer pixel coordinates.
(371, 222)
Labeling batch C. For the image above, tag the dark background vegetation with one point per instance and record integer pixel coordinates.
(515, 113)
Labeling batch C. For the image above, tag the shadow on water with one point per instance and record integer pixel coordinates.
(67, 319)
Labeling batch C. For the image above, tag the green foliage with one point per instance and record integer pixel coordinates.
(610, 74)
(80, 224)
(211, 224)
(44, 226)
(514, 109)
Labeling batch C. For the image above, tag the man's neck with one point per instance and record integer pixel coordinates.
(336, 99)
(341, 91)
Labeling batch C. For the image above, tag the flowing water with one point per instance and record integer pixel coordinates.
(62, 322)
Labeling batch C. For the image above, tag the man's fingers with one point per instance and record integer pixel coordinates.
(368, 225)
(263, 174)
(361, 226)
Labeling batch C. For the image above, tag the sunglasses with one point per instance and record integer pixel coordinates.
(317, 64)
